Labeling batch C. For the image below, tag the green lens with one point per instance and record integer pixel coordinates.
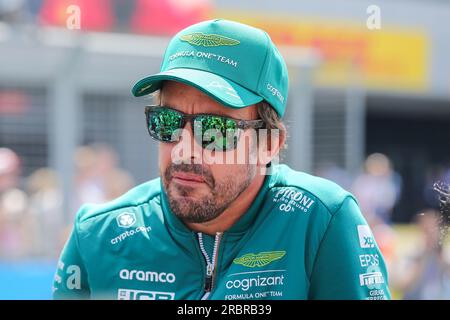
(164, 124)
(217, 133)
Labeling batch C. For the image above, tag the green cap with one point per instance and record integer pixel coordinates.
(236, 64)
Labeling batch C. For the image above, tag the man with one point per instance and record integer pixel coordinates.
(223, 221)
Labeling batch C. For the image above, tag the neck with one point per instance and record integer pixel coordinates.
(234, 211)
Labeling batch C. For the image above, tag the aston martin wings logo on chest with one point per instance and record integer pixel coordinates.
(261, 259)
(208, 40)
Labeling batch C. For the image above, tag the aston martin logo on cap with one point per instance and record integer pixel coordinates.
(261, 259)
(208, 40)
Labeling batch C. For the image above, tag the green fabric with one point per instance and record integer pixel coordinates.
(236, 64)
(302, 238)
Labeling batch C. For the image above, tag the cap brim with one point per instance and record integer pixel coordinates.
(221, 89)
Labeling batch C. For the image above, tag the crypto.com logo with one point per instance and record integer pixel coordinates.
(253, 145)
(126, 219)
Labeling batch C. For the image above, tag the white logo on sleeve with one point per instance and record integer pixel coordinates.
(150, 276)
(291, 199)
(129, 294)
(126, 219)
(372, 279)
(366, 239)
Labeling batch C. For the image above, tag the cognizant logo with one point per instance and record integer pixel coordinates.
(149, 276)
(245, 284)
(129, 233)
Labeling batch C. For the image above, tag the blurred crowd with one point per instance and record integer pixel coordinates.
(32, 221)
(33, 224)
(417, 255)
(136, 16)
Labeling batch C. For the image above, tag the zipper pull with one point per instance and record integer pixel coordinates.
(209, 269)
(208, 278)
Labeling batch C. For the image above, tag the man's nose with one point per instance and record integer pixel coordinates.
(191, 151)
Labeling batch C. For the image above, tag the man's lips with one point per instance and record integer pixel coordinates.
(187, 178)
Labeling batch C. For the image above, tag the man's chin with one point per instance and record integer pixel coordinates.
(187, 191)
(185, 208)
(184, 197)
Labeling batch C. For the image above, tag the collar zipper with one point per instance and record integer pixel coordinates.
(211, 263)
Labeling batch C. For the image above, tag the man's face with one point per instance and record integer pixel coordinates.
(199, 189)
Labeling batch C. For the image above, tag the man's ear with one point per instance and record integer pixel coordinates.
(270, 144)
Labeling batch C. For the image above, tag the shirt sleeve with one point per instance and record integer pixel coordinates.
(70, 281)
(348, 264)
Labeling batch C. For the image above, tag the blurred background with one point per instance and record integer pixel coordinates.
(369, 108)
